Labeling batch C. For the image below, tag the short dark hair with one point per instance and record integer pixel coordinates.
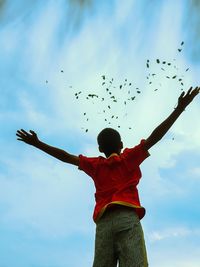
(109, 141)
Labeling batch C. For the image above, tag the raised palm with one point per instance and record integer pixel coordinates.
(29, 138)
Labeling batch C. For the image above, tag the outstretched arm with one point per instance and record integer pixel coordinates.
(161, 130)
(32, 139)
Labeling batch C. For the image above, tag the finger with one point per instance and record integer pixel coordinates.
(32, 132)
(20, 134)
(24, 132)
(20, 139)
(182, 94)
(189, 91)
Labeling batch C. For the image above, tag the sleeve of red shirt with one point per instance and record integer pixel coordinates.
(88, 165)
(137, 154)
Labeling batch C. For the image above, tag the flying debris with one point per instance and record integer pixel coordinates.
(102, 99)
(103, 83)
(103, 76)
(62, 71)
(168, 64)
(164, 62)
(158, 61)
(124, 102)
(129, 84)
(167, 77)
(120, 86)
(46, 81)
(93, 95)
(147, 63)
(174, 77)
(118, 126)
(162, 69)
(84, 113)
(109, 107)
(187, 69)
(155, 89)
(132, 98)
(115, 100)
(153, 74)
(130, 128)
(138, 92)
(86, 130)
(182, 43)
(179, 50)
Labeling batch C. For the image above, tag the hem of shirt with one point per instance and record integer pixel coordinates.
(123, 203)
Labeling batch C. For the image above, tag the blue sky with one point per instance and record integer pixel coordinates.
(46, 206)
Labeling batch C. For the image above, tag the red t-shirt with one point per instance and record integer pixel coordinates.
(116, 178)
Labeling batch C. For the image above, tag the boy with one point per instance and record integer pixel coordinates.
(117, 214)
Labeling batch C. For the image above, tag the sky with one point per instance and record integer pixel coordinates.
(49, 52)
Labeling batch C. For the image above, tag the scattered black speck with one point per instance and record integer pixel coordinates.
(179, 50)
(158, 61)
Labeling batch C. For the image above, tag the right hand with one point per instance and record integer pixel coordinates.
(29, 138)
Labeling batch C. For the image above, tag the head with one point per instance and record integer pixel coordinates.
(109, 141)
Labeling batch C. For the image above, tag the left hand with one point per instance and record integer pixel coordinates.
(185, 100)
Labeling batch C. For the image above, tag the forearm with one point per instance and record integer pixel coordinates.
(162, 129)
(53, 151)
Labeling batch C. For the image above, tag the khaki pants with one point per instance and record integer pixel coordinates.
(119, 239)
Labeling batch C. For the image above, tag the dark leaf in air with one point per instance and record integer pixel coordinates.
(164, 62)
(129, 84)
(120, 86)
(103, 83)
(158, 61)
(187, 69)
(62, 71)
(138, 92)
(174, 77)
(103, 76)
(179, 50)
(182, 43)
